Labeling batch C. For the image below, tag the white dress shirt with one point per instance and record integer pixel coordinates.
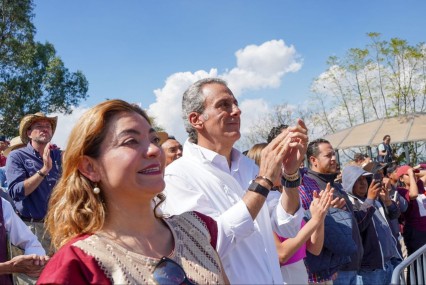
(202, 181)
(19, 233)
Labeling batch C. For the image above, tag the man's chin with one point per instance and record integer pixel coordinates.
(236, 135)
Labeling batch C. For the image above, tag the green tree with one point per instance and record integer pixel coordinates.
(383, 79)
(32, 77)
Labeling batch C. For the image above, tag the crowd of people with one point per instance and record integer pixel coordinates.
(126, 204)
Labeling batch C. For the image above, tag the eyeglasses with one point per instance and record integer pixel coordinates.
(168, 271)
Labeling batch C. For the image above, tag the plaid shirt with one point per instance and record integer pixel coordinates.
(306, 190)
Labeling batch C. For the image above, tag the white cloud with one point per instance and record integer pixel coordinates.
(262, 66)
(65, 125)
(251, 111)
(257, 67)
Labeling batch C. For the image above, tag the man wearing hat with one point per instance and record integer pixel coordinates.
(32, 172)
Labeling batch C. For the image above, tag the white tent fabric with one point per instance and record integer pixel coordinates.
(404, 128)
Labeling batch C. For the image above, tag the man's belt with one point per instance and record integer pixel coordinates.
(31, 220)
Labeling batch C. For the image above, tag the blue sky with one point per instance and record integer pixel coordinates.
(150, 51)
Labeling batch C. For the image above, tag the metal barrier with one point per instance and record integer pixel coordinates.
(413, 266)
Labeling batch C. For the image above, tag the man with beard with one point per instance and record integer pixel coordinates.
(342, 253)
(32, 172)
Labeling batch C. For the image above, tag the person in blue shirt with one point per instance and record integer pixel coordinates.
(32, 172)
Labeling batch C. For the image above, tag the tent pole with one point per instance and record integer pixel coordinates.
(407, 154)
(370, 154)
(337, 156)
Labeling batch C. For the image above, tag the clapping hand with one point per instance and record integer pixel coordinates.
(321, 203)
(286, 150)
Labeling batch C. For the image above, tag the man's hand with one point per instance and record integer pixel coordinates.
(339, 203)
(384, 195)
(286, 150)
(32, 265)
(297, 147)
(373, 190)
(47, 160)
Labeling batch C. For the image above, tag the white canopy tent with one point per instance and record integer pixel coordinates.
(405, 128)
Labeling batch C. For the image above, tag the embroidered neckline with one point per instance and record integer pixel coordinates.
(108, 240)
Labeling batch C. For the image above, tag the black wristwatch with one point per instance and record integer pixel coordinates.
(291, 184)
(256, 187)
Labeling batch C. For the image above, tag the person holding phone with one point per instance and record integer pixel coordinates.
(378, 242)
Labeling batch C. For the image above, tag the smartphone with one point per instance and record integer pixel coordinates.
(377, 177)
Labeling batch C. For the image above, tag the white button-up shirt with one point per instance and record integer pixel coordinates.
(202, 181)
(19, 233)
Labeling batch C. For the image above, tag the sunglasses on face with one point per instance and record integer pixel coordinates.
(168, 271)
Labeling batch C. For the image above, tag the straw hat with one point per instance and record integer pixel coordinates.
(163, 137)
(15, 143)
(30, 119)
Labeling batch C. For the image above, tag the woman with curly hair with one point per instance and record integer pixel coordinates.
(102, 213)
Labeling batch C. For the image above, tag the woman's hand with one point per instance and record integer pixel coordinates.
(321, 203)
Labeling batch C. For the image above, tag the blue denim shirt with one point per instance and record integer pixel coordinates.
(22, 164)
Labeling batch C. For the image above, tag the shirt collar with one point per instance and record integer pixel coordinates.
(30, 147)
(214, 158)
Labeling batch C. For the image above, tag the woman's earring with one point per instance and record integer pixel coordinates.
(96, 189)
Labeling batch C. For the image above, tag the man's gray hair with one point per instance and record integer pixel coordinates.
(193, 101)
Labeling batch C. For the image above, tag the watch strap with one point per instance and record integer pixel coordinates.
(256, 187)
(41, 174)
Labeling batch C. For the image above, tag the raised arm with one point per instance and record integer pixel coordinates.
(284, 153)
(311, 233)
(298, 141)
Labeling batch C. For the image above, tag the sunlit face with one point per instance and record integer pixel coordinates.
(172, 149)
(40, 132)
(360, 187)
(325, 162)
(131, 162)
(387, 140)
(222, 114)
(406, 179)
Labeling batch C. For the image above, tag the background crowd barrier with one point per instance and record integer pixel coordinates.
(413, 269)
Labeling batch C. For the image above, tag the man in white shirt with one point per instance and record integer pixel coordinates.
(212, 177)
(32, 263)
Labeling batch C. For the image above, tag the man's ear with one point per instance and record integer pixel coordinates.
(313, 160)
(196, 120)
(88, 167)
